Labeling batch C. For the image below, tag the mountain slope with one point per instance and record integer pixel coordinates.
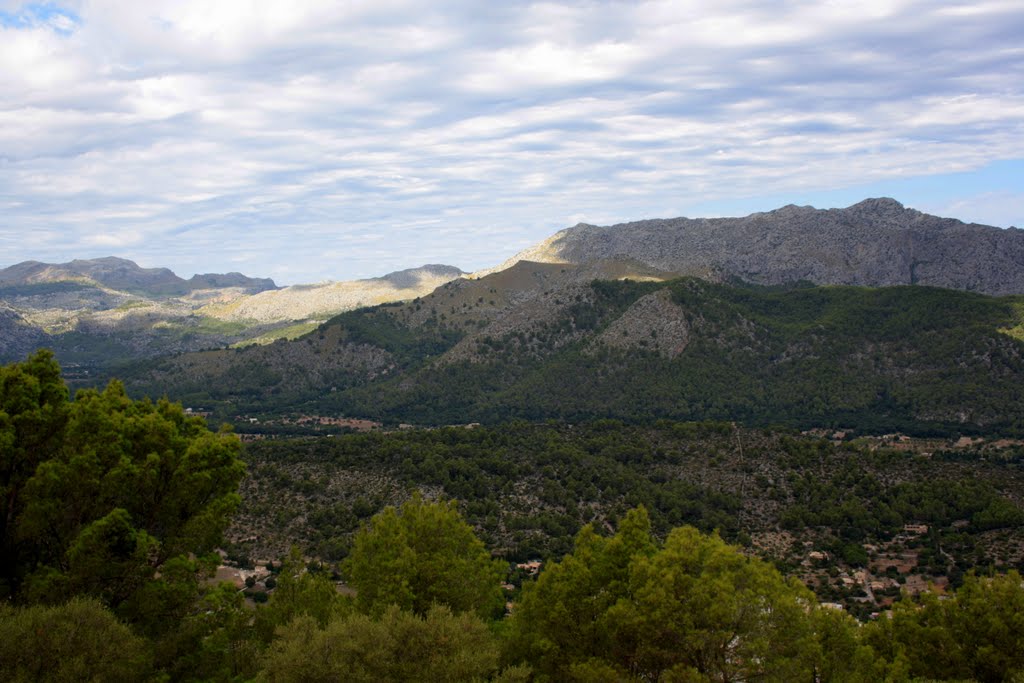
(877, 242)
(912, 358)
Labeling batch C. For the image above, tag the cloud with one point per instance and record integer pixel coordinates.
(266, 135)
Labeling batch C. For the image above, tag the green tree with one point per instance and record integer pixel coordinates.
(109, 497)
(699, 605)
(979, 634)
(421, 554)
(395, 646)
(840, 655)
(564, 618)
(215, 642)
(694, 609)
(300, 593)
(33, 415)
(77, 641)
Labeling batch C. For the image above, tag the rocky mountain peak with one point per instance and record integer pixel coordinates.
(876, 242)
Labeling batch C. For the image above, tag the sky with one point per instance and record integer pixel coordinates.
(306, 140)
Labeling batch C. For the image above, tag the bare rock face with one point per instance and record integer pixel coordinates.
(877, 242)
(653, 322)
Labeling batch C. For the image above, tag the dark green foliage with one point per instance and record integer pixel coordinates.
(77, 641)
(108, 497)
(395, 646)
(33, 416)
(214, 642)
(375, 327)
(979, 635)
(691, 609)
(299, 593)
(527, 489)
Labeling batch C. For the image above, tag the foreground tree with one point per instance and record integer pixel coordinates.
(78, 641)
(105, 496)
(692, 609)
(395, 646)
(564, 620)
(300, 592)
(977, 635)
(33, 415)
(420, 555)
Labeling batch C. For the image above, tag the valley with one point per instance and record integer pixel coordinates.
(833, 514)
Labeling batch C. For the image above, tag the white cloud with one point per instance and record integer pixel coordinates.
(269, 135)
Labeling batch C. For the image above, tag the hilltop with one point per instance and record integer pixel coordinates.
(101, 313)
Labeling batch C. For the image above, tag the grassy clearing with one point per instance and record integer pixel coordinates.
(1017, 331)
(289, 332)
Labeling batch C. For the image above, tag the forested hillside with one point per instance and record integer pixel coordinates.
(914, 359)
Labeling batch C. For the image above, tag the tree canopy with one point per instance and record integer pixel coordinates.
(107, 496)
(78, 641)
(690, 609)
(111, 507)
(422, 554)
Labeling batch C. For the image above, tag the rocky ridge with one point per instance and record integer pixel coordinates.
(877, 242)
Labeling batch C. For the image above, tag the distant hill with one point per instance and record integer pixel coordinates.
(306, 302)
(124, 275)
(104, 312)
(877, 242)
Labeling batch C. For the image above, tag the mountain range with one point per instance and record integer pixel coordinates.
(106, 311)
(127, 276)
(796, 316)
(915, 359)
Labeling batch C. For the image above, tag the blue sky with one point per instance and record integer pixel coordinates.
(308, 140)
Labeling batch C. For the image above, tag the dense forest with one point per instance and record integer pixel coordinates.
(528, 489)
(116, 506)
(913, 359)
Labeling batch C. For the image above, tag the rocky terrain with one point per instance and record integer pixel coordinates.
(876, 243)
(17, 337)
(108, 311)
